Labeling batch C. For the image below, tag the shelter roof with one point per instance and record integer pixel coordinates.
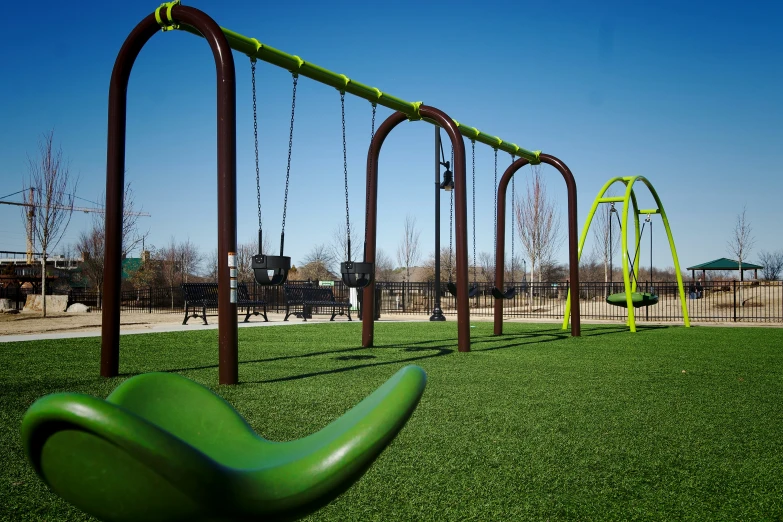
(724, 264)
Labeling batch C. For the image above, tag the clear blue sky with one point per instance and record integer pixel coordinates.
(687, 94)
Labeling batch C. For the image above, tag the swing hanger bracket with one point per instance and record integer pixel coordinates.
(168, 24)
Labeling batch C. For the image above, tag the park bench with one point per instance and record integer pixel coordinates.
(200, 296)
(303, 299)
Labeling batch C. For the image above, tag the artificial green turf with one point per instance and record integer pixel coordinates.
(668, 424)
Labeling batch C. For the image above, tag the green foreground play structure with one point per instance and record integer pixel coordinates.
(164, 448)
(631, 298)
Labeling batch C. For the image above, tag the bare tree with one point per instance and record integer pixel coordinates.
(384, 266)
(408, 253)
(486, 268)
(591, 268)
(131, 237)
(92, 243)
(537, 223)
(742, 241)
(211, 266)
(51, 198)
(339, 246)
(772, 263)
(148, 273)
(316, 264)
(245, 253)
(429, 266)
(170, 267)
(191, 257)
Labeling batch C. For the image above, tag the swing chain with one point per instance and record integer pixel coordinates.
(290, 146)
(513, 216)
(345, 172)
(255, 137)
(451, 225)
(513, 212)
(496, 202)
(367, 188)
(473, 154)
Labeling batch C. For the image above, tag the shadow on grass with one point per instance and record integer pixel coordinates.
(479, 343)
(439, 352)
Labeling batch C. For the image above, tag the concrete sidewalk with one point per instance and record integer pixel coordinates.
(275, 319)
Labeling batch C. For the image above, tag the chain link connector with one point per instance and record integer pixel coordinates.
(416, 115)
(168, 24)
(536, 161)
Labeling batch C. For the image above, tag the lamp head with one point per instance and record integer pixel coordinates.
(448, 181)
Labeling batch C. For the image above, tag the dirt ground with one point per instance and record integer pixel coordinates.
(33, 323)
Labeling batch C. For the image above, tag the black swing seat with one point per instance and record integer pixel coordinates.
(638, 299)
(508, 294)
(472, 291)
(357, 274)
(271, 270)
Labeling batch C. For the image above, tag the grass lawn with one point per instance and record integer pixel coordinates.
(667, 424)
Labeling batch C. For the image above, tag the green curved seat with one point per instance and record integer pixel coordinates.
(164, 448)
(638, 299)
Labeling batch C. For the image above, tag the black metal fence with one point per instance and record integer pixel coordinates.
(717, 301)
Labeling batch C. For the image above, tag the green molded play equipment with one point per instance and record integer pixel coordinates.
(631, 298)
(638, 299)
(163, 448)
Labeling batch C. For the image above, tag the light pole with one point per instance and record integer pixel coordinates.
(448, 185)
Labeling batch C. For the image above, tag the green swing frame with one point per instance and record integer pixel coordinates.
(631, 298)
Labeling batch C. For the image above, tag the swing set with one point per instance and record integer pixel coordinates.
(270, 269)
(632, 298)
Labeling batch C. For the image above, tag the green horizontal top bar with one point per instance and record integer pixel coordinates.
(649, 211)
(255, 49)
(612, 199)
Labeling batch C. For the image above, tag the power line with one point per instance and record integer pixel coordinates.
(14, 194)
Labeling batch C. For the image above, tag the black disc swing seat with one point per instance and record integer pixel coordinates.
(638, 299)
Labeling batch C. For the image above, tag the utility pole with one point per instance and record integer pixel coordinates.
(30, 224)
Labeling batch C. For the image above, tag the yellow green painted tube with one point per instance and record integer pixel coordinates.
(255, 49)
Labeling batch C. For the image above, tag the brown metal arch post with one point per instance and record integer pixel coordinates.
(461, 216)
(226, 186)
(573, 252)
